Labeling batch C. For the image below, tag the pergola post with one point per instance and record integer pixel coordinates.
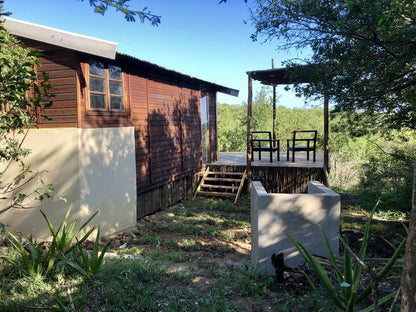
(274, 109)
(249, 134)
(326, 139)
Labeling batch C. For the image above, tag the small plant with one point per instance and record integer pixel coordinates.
(91, 262)
(34, 261)
(64, 236)
(37, 260)
(211, 230)
(147, 240)
(346, 294)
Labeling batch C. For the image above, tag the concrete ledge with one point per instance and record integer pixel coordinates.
(274, 215)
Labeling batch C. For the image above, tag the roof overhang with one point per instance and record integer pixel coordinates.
(90, 45)
(288, 75)
(151, 67)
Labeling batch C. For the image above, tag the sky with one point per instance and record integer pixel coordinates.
(200, 38)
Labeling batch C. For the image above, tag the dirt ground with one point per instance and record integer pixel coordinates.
(225, 232)
(216, 233)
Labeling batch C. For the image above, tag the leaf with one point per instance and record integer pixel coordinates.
(319, 271)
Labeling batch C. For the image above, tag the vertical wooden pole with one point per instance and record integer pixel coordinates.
(326, 139)
(249, 134)
(274, 110)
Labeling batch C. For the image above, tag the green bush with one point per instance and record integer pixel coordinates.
(346, 293)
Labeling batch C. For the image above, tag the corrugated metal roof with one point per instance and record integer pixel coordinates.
(178, 75)
(97, 47)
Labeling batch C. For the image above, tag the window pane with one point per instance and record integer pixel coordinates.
(97, 101)
(115, 88)
(96, 84)
(116, 103)
(114, 72)
(96, 68)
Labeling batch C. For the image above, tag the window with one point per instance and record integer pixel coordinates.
(105, 87)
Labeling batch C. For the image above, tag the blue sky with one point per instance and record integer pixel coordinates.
(200, 38)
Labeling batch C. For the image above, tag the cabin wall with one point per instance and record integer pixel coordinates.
(164, 111)
(61, 65)
(165, 114)
(166, 117)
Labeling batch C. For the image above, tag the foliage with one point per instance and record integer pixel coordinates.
(366, 50)
(34, 261)
(64, 236)
(39, 259)
(232, 122)
(165, 276)
(371, 161)
(101, 6)
(24, 95)
(91, 262)
(347, 294)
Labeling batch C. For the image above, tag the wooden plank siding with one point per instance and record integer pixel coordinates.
(60, 64)
(164, 111)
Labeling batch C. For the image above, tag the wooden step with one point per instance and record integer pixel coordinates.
(221, 194)
(222, 179)
(231, 184)
(226, 187)
(226, 173)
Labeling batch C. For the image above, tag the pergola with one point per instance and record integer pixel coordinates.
(284, 76)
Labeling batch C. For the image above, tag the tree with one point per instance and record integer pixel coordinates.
(368, 48)
(23, 96)
(122, 6)
(101, 6)
(363, 53)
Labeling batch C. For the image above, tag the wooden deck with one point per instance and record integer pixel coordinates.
(278, 176)
(240, 159)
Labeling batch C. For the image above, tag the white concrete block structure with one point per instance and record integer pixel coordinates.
(274, 215)
(93, 169)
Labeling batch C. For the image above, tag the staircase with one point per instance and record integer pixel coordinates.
(221, 184)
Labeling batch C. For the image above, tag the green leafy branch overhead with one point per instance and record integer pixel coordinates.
(101, 6)
(368, 48)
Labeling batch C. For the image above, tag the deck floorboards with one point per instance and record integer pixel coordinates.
(240, 159)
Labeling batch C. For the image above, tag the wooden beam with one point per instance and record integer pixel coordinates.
(249, 134)
(326, 138)
(274, 110)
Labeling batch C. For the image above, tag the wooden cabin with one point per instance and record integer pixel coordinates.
(173, 115)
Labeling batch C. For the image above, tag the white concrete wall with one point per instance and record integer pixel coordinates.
(107, 170)
(94, 169)
(274, 215)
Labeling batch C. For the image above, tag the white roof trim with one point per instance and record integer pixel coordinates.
(61, 38)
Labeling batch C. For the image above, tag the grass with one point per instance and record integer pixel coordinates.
(193, 257)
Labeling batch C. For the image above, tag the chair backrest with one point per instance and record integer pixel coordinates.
(312, 137)
(262, 132)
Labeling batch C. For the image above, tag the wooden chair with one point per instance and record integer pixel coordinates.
(265, 145)
(307, 144)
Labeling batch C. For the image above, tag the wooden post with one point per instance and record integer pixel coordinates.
(326, 138)
(249, 134)
(274, 110)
